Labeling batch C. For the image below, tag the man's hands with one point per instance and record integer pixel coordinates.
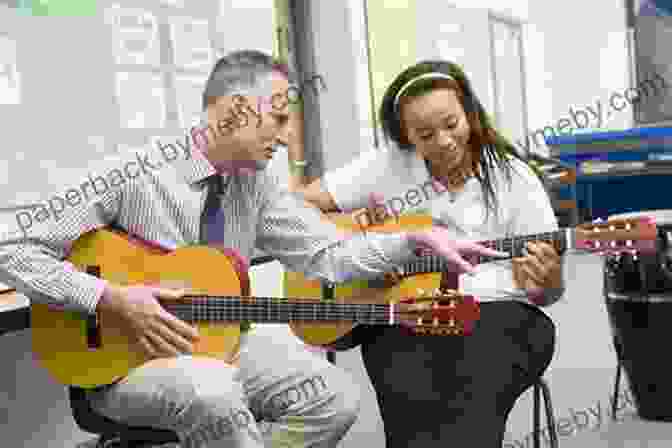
(159, 333)
(440, 242)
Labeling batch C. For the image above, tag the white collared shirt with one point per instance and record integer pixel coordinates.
(402, 179)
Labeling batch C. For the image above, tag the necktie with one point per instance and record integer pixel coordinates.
(212, 221)
(212, 218)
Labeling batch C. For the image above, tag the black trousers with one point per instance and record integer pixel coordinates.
(441, 391)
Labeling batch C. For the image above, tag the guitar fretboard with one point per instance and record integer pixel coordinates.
(514, 245)
(275, 310)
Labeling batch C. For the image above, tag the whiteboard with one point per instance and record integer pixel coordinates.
(82, 86)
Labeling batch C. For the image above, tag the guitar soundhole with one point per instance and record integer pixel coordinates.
(93, 339)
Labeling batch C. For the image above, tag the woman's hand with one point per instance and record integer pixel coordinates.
(539, 270)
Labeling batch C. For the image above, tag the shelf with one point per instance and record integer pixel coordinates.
(651, 170)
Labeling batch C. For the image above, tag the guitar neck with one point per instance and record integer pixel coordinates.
(276, 310)
(513, 245)
(516, 245)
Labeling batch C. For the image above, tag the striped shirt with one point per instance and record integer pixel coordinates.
(158, 196)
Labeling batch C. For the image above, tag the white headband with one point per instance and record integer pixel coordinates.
(431, 75)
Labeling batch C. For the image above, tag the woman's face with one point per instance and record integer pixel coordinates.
(437, 125)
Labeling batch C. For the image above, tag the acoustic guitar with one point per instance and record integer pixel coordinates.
(91, 350)
(429, 272)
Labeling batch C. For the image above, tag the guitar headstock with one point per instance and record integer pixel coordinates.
(617, 236)
(441, 312)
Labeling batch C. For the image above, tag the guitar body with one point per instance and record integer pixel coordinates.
(297, 286)
(60, 336)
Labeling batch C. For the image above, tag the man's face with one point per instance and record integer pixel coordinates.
(250, 126)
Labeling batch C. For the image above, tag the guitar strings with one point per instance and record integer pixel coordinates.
(284, 311)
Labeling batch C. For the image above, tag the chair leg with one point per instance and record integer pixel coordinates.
(541, 388)
(550, 418)
(617, 381)
(536, 413)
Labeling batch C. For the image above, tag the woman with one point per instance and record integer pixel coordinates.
(436, 130)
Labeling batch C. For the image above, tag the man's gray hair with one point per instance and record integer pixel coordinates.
(239, 71)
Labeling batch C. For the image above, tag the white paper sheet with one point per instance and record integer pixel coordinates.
(135, 36)
(10, 80)
(141, 99)
(191, 43)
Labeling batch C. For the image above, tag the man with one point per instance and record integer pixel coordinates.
(207, 401)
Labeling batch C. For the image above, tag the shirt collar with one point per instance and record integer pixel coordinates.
(197, 169)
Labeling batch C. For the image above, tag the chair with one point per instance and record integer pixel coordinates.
(460, 389)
